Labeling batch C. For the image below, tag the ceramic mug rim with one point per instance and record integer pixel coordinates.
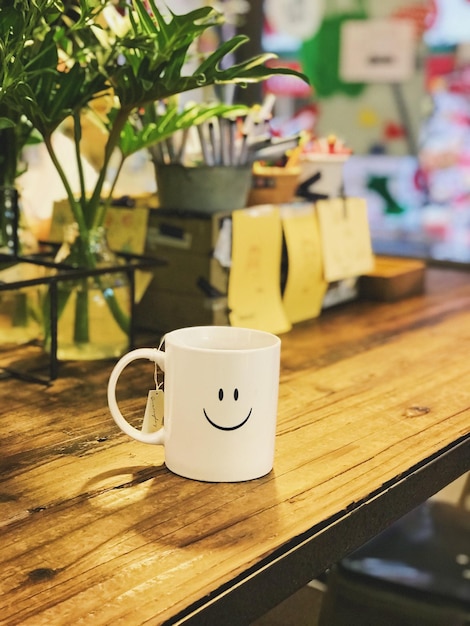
(191, 338)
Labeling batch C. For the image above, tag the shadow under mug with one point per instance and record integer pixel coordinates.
(220, 401)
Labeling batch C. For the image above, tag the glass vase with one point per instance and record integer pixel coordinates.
(9, 218)
(93, 312)
(20, 308)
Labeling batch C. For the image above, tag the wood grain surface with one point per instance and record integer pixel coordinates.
(95, 530)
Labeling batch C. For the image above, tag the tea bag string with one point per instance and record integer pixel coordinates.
(158, 384)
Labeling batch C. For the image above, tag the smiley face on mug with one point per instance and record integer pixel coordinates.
(226, 409)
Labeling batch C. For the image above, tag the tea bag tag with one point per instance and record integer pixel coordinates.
(153, 417)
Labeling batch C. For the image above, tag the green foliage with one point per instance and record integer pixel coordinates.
(56, 60)
(149, 127)
(22, 27)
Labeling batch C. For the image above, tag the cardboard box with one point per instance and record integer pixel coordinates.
(183, 230)
(192, 274)
(393, 278)
(190, 287)
(162, 311)
(273, 185)
(126, 227)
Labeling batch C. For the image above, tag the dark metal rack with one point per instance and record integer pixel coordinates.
(61, 273)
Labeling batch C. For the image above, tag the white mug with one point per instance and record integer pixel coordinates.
(220, 401)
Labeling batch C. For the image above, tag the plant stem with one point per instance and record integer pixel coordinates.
(77, 132)
(81, 325)
(89, 214)
(96, 205)
(116, 177)
(76, 207)
(121, 318)
(20, 314)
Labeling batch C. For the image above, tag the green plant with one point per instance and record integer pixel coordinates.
(59, 65)
(19, 26)
(22, 25)
(141, 61)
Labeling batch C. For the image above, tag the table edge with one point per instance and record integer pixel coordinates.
(276, 577)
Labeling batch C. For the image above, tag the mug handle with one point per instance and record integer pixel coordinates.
(152, 354)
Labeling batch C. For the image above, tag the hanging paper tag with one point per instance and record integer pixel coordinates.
(254, 291)
(153, 418)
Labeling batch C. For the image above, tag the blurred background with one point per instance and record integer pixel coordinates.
(389, 78)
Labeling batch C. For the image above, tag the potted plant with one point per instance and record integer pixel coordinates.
(87, 50)
(19, 309)
(18, 24)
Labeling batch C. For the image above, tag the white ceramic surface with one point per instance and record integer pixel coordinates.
(220, 401)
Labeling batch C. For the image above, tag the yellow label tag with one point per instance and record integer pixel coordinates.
(254, 290)
(153, 418)
(305, 286)
(345, 236)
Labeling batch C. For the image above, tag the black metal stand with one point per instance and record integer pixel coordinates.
(61, 274)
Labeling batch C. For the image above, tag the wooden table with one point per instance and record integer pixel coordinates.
(374, 417)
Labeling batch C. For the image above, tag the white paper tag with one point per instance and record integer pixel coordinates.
(153, 418)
